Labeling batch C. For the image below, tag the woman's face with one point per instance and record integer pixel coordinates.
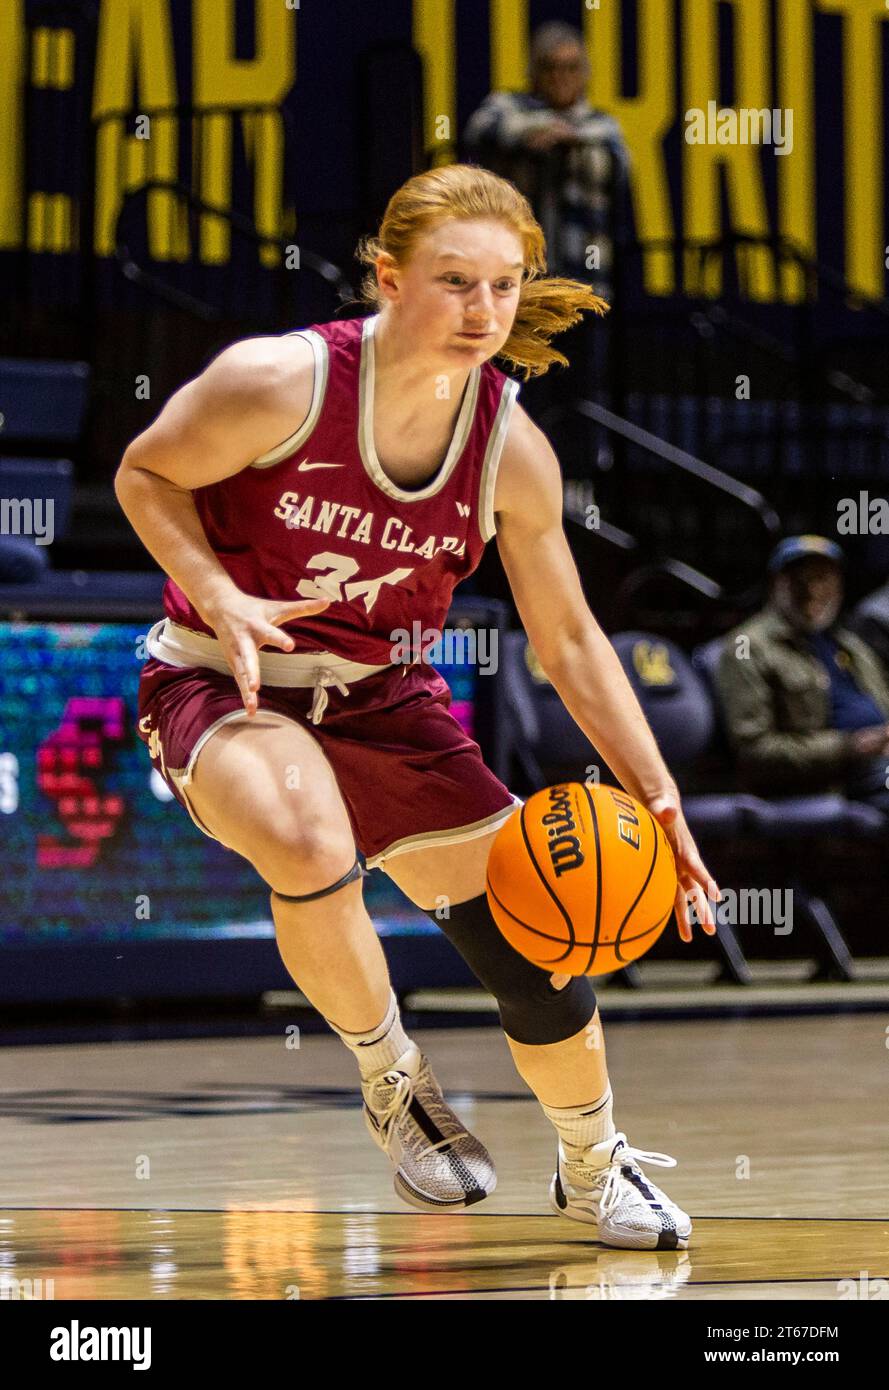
(462, 279)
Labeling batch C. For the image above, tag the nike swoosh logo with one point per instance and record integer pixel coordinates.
(305, 467)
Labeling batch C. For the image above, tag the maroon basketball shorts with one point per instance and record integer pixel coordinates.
(409, 775)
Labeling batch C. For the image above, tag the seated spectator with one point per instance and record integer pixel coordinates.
(511, 131)
(806, 701)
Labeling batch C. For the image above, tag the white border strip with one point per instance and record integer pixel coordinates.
(176, 645)
(182, 776)
(436, 839)
(486, 522)
(319, 388)
(366, 446)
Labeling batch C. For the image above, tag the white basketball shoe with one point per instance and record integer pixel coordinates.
(439, 1165)
(606, 1188)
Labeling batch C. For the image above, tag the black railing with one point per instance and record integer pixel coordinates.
(161, 312)
(685, 575)
(679, 458)
(289, 258)
(792, 344)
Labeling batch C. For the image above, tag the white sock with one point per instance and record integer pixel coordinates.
(579, 1126)
(383, 1045)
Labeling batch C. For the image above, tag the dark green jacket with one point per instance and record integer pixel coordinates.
(776, 701)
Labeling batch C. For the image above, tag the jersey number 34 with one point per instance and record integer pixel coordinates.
(337, 583)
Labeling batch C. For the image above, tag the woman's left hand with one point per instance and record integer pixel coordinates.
(695, 882)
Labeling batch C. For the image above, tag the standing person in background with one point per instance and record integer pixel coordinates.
(510, 132)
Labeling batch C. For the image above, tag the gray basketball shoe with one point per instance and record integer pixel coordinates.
(439, 1165)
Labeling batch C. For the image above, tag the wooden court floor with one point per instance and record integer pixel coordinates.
(240, 1169)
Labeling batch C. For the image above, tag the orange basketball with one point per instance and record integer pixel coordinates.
(581, 880)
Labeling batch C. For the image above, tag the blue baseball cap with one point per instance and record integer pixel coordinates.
(798, 547)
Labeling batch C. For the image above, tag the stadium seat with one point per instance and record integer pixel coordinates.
(679, 708)
(41, 480)
(35, 499)
(792, 823)
(541, 736)
(43, 400)
(21, 561)
(43, 403)
(69, 595)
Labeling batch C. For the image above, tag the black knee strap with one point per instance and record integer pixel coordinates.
(356, 871)
(532, 1011)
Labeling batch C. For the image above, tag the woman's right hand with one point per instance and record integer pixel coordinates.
(243, 624)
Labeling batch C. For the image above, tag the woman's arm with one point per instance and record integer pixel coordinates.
(573, 650)
(252, 396)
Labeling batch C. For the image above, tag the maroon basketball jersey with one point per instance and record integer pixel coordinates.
(318, 517)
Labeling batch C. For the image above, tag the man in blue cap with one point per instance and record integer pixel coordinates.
(806, 701)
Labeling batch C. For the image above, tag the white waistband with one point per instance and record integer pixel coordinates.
(182, 646)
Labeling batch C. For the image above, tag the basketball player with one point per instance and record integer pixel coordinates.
(314, 493)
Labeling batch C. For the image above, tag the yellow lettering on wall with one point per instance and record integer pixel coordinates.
(12, 32)
(213, 176)
(435, 41)
(645, 119)
(135, 72)
(52, 58)
(222, 80)
(796, 171)
(702, 163)
(50, 226)
(509, 45)
(264, 143)
(863, 96)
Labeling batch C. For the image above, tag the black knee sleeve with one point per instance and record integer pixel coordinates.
(532, 1011)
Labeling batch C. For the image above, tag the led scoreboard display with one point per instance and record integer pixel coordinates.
(99, 859)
